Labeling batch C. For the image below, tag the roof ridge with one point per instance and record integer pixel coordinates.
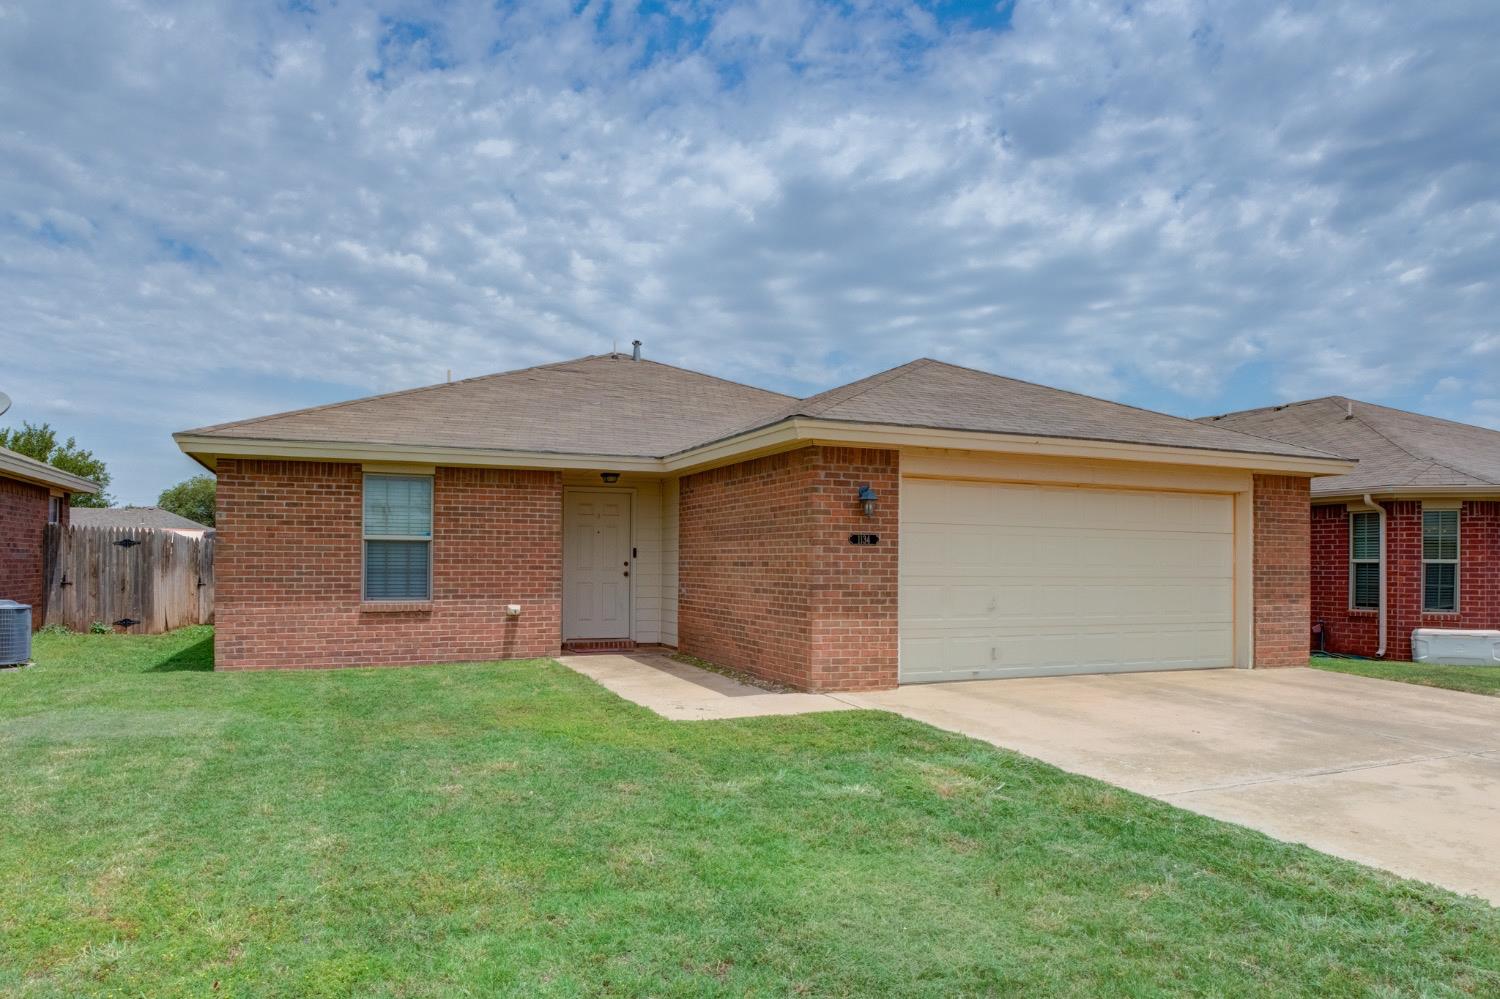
(1429, 459)
(323, 407)
(700, 374)
(1125, 405)
(799, 407)
(1274, 408)
(870, 382)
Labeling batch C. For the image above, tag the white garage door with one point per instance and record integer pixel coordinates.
(1013, 580)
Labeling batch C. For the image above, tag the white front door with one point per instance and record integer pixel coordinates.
(596, 564)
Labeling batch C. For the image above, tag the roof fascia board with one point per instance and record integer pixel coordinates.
(1411, 493)
(828, 432)
(214, 447)
(45, 475)
(789, 433)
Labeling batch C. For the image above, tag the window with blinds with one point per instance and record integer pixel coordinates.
(398, 537)
(1439, 560)
(1364, 561)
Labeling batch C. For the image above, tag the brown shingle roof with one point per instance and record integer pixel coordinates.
(934, 394)
(1396, 449)
(146, 517)
(604, 405)
(611, 405)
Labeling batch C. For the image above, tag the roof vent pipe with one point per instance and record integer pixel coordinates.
(635, 354)
(1348, 409)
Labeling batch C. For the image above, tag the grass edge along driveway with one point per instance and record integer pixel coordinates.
(514, 829)
(1469, 679)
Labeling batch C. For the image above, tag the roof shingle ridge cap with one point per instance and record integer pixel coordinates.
(691, 371)
(799, 407)
(1274, 408)
(869, 383)
(321, 407)
(1140, 409)
(1407, 451)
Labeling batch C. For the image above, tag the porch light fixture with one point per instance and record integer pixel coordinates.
(610, 478)
(867, 497)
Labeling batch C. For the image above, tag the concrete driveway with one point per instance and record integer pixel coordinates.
(1397, 776)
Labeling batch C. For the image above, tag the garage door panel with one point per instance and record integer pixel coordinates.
(1004, 580)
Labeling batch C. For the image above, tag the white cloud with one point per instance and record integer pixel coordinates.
(213, 210)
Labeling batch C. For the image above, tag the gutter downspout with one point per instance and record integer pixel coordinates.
(1380, 652)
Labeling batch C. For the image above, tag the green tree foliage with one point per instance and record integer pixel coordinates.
(40, 442)
(191, 498)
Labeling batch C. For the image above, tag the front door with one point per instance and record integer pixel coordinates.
(596, 564)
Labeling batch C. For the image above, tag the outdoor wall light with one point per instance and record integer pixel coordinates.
(867, 497)
(610, 478)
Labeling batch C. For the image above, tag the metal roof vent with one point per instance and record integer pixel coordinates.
(635, 353)
(15, 633)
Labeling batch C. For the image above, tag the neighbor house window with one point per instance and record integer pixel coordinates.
(1364, 561)
(1440, 560)
(54, 509)
(398, 537)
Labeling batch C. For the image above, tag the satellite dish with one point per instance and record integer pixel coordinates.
(4, 403)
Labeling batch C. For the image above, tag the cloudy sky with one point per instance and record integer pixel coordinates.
(213, 210)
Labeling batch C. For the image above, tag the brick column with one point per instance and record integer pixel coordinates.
(1282, 570)
(768, 581)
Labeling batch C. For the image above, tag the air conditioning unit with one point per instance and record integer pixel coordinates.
(15, 633)
(1456, 647)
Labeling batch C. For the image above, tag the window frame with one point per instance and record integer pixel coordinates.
(1454, 561)
(1354, 562)
(366, 537)
(54, 508)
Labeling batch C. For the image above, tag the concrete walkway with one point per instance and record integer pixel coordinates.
(1389, 774)
(685, 693)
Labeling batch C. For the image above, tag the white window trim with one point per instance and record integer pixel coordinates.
(1353, 606)
(367, 537)
(1458, 551)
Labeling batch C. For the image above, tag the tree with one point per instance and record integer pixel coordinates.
(191, 498)
(40, 442)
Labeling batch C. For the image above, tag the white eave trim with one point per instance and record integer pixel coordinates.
(782, 436)
(208, 448)
(14, 466)
(800, 430)
(1411, 493)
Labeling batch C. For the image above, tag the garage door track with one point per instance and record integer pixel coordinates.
(1398, 776)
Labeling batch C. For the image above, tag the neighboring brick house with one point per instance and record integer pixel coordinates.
(930, 522)
(1410, 538)
(32, 495)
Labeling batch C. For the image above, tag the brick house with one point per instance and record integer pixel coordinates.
(1410, 538)
(32, 495)
(930, 522)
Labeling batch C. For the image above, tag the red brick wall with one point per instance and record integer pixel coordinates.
(288, 562)
(768, 582)
(854, 635)
(23, 518)
(1282, 569)
(1357, 632)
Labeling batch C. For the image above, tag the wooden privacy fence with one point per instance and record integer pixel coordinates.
(135, 580)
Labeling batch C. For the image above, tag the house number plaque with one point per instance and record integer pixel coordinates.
(864, 539)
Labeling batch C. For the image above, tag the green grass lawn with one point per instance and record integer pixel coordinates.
(512, 828)
(1471, 679)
